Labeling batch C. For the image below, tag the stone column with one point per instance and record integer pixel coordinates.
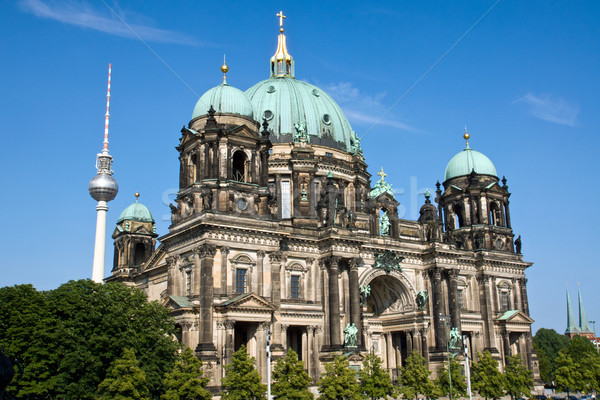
(261, 354)
(229, 340)
(425, 346)
(260, 258)
(284, 341)
(276, 258)
(453, 292)
(304, 346)
(507, 213)
(516, 292)
(309, 362)
(438, 308)
(523, 285)
(409, 343)
(195, 275)
(315, 356)
(224, 269)
(206, 253)
(390, 352)
(170, 276)
(487, 313)
(506, 343)
(355, 301)
(416, 342)
(334, 304)
(310, 279)
(398, 350)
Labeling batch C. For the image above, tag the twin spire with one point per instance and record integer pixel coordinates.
(572, 328)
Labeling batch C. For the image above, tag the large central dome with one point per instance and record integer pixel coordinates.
(288, 105)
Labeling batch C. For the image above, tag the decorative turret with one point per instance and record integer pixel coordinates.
(584, 326)
(103, 188)
(474, 206)
(134, 238)
(282, 63)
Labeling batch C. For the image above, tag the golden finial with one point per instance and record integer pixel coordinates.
(224, 70)
(466, 136)
(281, 18)
(382, 174)
(137, 196)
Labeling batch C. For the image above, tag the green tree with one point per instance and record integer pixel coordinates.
(82, 323)
(242, 381)
(486, 379)
(125, 380)
(547, 344)
(374, 380)
(291, 381)
(459, 383)
(339, 381)
(568, 373)
(590, 372)
(185, 381)
(414, 378)
(518, 379)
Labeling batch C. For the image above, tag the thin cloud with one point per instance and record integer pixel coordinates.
(83, 15)
(550, 108)
(362, 108)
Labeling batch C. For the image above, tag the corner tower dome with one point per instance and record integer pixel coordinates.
(469, 160)
(290, 106)
(136, 212)
(224, 99)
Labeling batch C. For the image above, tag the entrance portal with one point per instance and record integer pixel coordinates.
(388, 295)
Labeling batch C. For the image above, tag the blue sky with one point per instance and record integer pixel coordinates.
(524, 79)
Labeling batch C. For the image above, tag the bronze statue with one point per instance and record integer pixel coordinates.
(518, 245)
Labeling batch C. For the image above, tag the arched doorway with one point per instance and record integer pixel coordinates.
(389, 295)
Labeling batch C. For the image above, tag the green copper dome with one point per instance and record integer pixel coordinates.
(292, 107)
(224, 99)
(136, 212)
(469, 160)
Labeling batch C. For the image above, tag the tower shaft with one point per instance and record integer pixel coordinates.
(100, 242)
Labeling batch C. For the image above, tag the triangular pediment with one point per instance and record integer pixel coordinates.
(244, 131)
(176, 302)
(514, 317)
(247, 301)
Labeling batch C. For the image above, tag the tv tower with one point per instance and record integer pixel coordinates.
(103, 188)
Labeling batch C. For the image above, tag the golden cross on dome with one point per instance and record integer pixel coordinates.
(382, 174)
(281, 17)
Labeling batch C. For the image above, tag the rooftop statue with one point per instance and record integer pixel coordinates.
(384, 224)
(381, 186)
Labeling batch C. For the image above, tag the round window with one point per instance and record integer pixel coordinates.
(271, 89)
(326, 119)
(315, 92)
(268, 115)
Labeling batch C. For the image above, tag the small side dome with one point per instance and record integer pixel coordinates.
(224, 99)
(136, 212)
(469, 160)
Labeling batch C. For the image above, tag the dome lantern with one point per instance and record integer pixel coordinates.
(282, 63)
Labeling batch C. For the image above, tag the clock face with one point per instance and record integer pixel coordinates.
(242, 204)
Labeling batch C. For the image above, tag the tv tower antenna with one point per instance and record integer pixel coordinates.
(103, 188)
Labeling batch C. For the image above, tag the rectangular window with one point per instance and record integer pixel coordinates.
(460, 300)
(295, 287)
(504, 301)
(286, 211)
(240, 280)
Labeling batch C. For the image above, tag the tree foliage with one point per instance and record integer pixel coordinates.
(125, 380)
(291, 381)
(459, 383)
(185, 381)
(68, 338)
(548, 343)
(374, 380)
(568, 374)
(518, 379)
(414, 378)
(486, 378)
(242, 381)
(339, 381)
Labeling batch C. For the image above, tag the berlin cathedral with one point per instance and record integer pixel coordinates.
(277, 228)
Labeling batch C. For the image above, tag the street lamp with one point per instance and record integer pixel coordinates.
(595, 338)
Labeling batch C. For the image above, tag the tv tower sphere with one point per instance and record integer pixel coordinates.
(103, 186)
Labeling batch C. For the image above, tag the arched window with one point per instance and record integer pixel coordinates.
(193, 167)
(238, 166)
(138, 254)
(493, 214)
(458, 219)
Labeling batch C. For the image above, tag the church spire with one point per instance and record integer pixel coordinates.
(584, 326)
(572, 329)
(282, 63)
